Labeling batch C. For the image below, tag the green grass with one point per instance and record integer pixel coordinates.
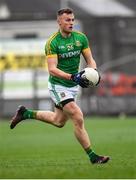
(37, 150)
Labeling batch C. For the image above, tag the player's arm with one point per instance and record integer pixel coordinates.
(87, 54)
(54, 71)
(52, 61)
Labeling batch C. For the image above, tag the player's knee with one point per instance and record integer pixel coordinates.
(60, 125)
(60, 122)
(78, 120)
(77, 114)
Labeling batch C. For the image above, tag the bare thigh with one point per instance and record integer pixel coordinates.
(60, 117)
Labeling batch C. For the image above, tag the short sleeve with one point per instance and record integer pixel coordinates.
(85, 42)
(50, 48)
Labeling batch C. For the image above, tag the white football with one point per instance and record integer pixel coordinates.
(91, 75)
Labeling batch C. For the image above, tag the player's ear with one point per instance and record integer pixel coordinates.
(58, 20)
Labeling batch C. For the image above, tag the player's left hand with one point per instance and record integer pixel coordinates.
(84, 83)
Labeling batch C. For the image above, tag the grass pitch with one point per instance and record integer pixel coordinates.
(37, 150)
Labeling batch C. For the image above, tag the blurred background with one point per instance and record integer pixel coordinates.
(111, 29)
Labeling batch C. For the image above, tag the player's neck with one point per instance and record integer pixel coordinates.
(65, 34)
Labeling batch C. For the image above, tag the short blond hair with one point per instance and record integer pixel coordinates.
(64, 10)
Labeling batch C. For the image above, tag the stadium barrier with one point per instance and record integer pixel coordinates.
(27, 87)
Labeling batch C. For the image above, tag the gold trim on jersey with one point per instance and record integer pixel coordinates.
(86, 49)
(51, 56)
(49, 42)
(79, 32)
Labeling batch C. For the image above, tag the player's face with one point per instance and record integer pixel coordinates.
(66, 22)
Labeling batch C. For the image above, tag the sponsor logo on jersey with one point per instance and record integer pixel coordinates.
(70, 54)
(61, 47)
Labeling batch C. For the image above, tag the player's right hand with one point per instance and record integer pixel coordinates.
(77, 78)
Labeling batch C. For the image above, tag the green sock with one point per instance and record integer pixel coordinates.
(29, 114)
(91, 154)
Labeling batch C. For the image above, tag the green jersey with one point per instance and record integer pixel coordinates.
(68, 51)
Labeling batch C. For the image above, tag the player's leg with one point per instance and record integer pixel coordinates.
(77, 117)
(57, 118)
(80, 132)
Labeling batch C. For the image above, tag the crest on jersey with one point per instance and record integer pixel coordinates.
(78, 43)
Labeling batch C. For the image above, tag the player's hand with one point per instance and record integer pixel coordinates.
(84, 83)
(99, 77)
